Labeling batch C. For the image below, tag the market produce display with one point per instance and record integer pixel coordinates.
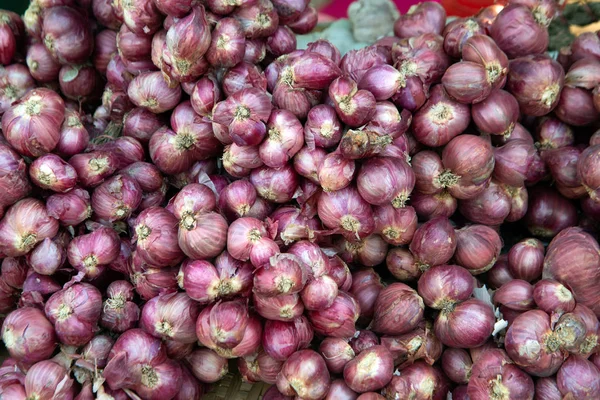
(183, 193)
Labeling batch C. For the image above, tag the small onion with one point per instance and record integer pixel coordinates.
(433, 243)
(477, 248)
(304, 374)
(398, 310)
(370, 370)
(525, 259)
(28, 336)
(444, 286)
(553, 297)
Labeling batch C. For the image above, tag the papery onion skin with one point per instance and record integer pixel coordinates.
(532, 345)
(444, 285)
(28, 336)
(516, 295)
(525, 259)
(518, 31)
(536, 82)
(25, 224)
(466, 325)
(419, 380)
(398, 309)
(549, 213)
(578, 378)
(370, 370)
(436, 234)
(477, 248)
(339, 319)
(295, 378)
(551, 296)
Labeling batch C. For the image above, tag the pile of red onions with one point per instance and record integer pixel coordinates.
(180, 186)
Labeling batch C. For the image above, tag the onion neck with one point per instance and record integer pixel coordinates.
(149, 377)
(350, 223)
(498, 391)
(188, 221)
(98, 165)
(284, 285)
(28, 241)
(447, 179)
(441, 114)
(550, 94)
(400, 200)
(142, 232)
(184, 141)
(115, 303)
(274, 134)
(494, 71)
(164, 328)
(63, 312)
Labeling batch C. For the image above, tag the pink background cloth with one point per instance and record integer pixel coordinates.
(338, 8)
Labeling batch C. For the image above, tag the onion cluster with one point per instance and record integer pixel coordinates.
(181, 187)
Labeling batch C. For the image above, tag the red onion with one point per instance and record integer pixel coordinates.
(28, 336)
(245, 113)
(356, 62)
(422, 18)
(490, 207)
(75, 313)
(335, 172)
(207, 366)
(16, 82)
(338, 389)
(519, 31)
(371, 370)
(92, 168)
(467, 82)
(71, 208)
(354, 107)
(226, 324)
(513, 161)
(418, 380)
(444, 286)
(258, 20)
(401, 264)
(74, 137)
(49, 255)
(481, 49)
(284, 139)
(78, 82)
(494, 373)
(305, 375)
(228, 43)
(281, 339)
(583, 73)
(525, 259)
(284, 274)
(255, 51)
(279, 308)
(398, 310)
(347, 211)
(553, 297)
(549, 213)
(576, 107)
(547, 389)
(497, 114)
(440, 119)
(155, 232)
(25, 224)
(67, 35)
(117, 198)
(396, 181)
(171, 316)
(133, 46)
(395, 225)
(337, 353)
(457, 365)
(370, 251)
(293, 226)
(141, 16)
(457, 32)
(337, 320)
(205, 95)
(142, 365)
(319, 293)
(90, 253)
(532, 345)
(477, 248)
(366, 286)
(119, 312)
(433, 243)
(536, 82)
(51, 172)
(585, 45)
(47, 379)
(105, 14)
(150, 91)
(516, 295)
(36, 288)
(468, 324)
(283, 41)
(590, 341)
(14, 184)
(39, 106)
(363, 340)
(239, 161)
(578, 378)
(202, 235)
